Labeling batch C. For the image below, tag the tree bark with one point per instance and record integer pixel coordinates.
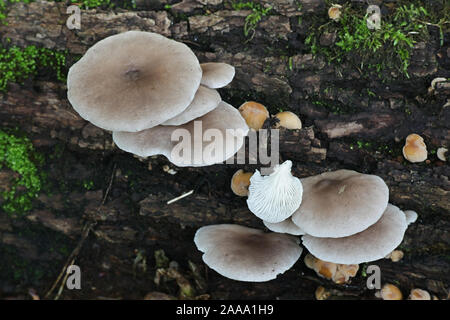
(367, 136)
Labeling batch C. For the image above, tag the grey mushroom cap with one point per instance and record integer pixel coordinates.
(216, 74)
(369, 245)
(224, 120)
(340, 203)
(285, 226)
(205, 100)
(246, 254)
(133, 81)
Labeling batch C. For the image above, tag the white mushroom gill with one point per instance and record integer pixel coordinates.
(275, 197)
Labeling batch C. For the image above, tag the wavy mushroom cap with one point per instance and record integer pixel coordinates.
(216, 74)
(340, 203)
(133, 81)
(275, 197)
(285, 226)
(194, 148)
(205, 100)
(369, 245)
(246, 254)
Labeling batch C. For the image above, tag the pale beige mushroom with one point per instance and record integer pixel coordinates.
(205, 100)
(340, 203)
(193, 149)
(216, 74)
(133, 81)
(369, 245)
(246, 254)
(442, 153)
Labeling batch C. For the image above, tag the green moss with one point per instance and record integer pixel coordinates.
(17, 154)
(18, 64)
(374, 50)
(252, 20)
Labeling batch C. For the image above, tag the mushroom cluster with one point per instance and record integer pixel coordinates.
(343, 216)
(143, 86)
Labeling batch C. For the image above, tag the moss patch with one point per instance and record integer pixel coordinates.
(372, 51)
(17, 154)
(18, 64)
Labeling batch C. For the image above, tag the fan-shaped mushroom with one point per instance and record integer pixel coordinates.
(246, 254)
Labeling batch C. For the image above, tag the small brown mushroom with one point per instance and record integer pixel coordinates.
(288, 120)
(335, 12)
(415, 149)
(254, 113)
(338, 273)
(419, 294)
(390, 292)
(395, 255)
(240, 182)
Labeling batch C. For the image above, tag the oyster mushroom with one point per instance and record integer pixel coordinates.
(372, 244)
(246, 254)
(340, 203)
(224, 119)
(133, 81)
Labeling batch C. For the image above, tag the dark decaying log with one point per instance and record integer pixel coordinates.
(367, 136)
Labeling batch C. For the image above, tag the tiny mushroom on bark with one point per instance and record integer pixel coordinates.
(240, 182)
(395, 255)
(419, 294)
(216, 74)
(246, 254)
(288, 120)
(335, 12)
(340, 203)
(224, 120)
(133, 81)
(389, 292)
(275, 197)
(338, 273)
(415, 149)
(442, 153)
(205, 100)
(254, 113)
(371, 244)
